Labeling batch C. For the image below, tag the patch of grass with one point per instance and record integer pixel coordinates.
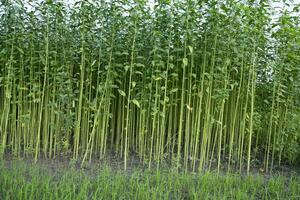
(20, 180)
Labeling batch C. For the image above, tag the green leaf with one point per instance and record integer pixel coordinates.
(135, 102)
(133, 84)
(185, 62)
(139, 65)
(157, 78)
(227, 61)
(118, 53)
(191, 49)
(122, 93)
(93, 63)
(138, 72)
(207, 90)
(174, 90)
(20, 50)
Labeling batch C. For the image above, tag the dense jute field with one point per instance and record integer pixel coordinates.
(194, 86)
